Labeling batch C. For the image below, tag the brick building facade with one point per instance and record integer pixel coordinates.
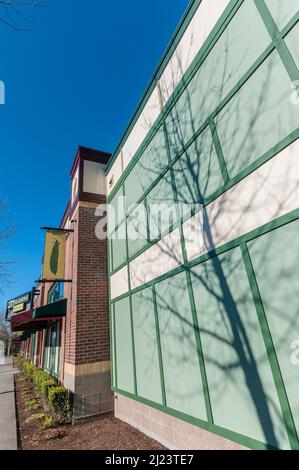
(75, 348)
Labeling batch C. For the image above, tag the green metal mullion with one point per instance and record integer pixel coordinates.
(114, 345)
(131, 313)
(191, 296)
(111, 313)
(161, 367)
(276, 37)
(290, 25)
(199, 348)
(110, 258)
(133, 344)
(171, 171)
(272, 357)
(219, 152)
(111, 341)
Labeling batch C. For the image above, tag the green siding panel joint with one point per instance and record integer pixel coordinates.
(164, 401)
(277, 39)
(281, 391)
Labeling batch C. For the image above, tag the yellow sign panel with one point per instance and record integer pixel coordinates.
(54, 257)
(24, 299)
(18, 308)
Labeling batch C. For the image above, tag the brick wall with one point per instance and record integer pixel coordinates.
(87, 323)
(86, 342)
(170, 431)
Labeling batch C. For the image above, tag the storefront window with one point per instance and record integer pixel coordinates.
(52, 349)
(33, 337)
(55, 293)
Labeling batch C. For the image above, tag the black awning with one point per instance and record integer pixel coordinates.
(32, 327)
(53, 311)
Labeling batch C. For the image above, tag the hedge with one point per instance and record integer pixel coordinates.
(59, 402)
(55, 397)
(45, 387)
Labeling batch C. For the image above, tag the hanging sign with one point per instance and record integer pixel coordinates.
(54, 257)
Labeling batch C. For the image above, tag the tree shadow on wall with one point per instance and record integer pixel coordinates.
(225, 334)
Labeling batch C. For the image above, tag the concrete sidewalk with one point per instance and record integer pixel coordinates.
(8, 425)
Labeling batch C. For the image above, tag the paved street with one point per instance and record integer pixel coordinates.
(8, 428)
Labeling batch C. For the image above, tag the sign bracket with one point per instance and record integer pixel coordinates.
(62, 230)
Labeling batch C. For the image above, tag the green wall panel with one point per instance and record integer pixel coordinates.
(259, 116)
(241, 388)
(147, 169)
(161, 201)
(282, 11)
(292, 41)
(112, 346)
(146, 349)
(124, 350)
(119, 246)
(242, 391)
(116, 210)
(234, 53)
(197, 172)
(275, 263)
(137, 229)
(183, 386)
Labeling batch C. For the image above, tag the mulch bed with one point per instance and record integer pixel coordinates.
(100, 434)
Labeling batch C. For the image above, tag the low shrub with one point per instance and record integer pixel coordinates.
(47, 422)
(55, 398)
(59, 401)
(32, 404)
(39, 376)
(19, 360)
(35, 417)
(29, 369)
(45, 386)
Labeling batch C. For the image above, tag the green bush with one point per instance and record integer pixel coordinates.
(47, 422)
(54, 397)
(19, 359)
(32, 405)
(39, 376)
(29, 369)
(45, 386)
(35, 417)
(60, 403)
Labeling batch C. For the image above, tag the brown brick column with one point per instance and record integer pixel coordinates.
(86, 341)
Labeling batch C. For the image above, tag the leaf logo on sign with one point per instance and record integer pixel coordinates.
(54, 258)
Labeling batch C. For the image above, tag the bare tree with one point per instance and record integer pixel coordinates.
(14, 14)
(5, 335)
(6, 231)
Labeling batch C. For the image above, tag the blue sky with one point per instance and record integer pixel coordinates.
(74, 79)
